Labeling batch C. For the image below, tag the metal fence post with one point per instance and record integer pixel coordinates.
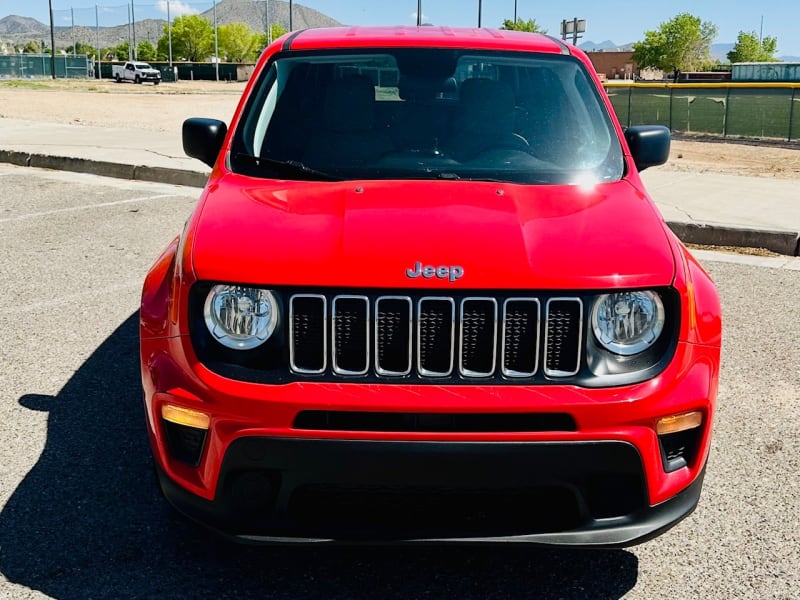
(670, 108)
(725, 118)
(630, 93)
(791, 114)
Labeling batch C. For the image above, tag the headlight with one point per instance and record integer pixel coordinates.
(627, 323)
(240, 317)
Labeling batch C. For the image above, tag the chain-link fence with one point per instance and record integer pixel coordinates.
(29, 66)
(759, 110)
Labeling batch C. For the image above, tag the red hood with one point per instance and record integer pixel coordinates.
(368, 234)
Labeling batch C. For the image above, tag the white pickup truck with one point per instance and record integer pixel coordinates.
(137, 72)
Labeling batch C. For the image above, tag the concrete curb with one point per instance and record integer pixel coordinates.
(105, 169)
(781, 242)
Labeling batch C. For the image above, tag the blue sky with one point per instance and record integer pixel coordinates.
(621, 21)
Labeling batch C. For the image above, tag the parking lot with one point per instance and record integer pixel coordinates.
(81, 516)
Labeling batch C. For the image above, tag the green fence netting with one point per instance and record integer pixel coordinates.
(32, 66)
(728, 111)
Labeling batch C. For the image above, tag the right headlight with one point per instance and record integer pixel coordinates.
(628, 323)
(240, 317)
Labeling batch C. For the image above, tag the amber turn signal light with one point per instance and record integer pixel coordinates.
(677, 423)
(185, 416)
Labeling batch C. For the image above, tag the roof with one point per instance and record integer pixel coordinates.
(426, 36)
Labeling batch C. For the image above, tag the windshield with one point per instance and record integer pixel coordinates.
(142, 66)
(427, 114)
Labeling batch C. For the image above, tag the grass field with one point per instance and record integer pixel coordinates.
(733, 112)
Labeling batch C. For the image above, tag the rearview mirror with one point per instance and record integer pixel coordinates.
(202, 139)
(649, 145)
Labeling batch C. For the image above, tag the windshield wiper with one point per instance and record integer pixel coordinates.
(287, 167)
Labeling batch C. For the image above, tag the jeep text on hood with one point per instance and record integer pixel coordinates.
(425, 296)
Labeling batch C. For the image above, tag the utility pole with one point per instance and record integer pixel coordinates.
(216, 43)
(419, 13)
(515, 12)
(52, 43)
(133, 21)
(290, 15)
(169, 36)
(480, 10)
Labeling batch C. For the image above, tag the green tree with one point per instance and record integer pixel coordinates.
(681, 44)
(120, 51)
(145, 50)
(531, 26)
(192, 38)
(82, 49)
(236, 42)
(32, 47)
(748, 48)
(276, 31)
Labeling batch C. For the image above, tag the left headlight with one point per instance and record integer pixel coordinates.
(240, 317)
(628, 323)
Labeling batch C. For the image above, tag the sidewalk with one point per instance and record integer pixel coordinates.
(702, 208)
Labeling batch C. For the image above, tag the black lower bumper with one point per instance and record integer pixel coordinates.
(296, 490)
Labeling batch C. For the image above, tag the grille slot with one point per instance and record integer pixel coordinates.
(393, 335)
(520, 337)
(434, 336)
(478, 350)
(308, 350)
(350, 335)
(563, 337)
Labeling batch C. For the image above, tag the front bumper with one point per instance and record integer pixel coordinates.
(312, 490)
(262, 475)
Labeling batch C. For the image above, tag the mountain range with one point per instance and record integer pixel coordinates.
(20, 30)
(16, 30)
(718, 51)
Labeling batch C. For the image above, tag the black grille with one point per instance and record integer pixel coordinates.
(307, 329)
(436, 318)
(434, 337)
(185, 443)
(350, 335)
(393, 336)
(520, 337)
(332, 420)
(478, 336)
(564, 318)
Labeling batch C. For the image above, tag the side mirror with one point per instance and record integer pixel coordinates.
(649, 145)
(202, 139)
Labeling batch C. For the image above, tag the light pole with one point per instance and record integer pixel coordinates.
(290, 15)
(419, 13)
(479, 13)
(52, 42)
(515, 12)
(133, 21)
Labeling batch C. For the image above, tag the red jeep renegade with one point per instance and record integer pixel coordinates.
(425, 296)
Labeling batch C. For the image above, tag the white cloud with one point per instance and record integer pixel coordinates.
(176, 8)
(414, 17)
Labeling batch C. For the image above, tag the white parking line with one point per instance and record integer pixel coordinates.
(63, 301)
(87, 206)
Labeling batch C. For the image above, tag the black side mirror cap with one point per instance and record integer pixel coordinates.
(649, 145)
(202, 139)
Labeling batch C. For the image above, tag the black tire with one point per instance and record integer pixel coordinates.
(137, 80)
(156, 82)
(117, 78)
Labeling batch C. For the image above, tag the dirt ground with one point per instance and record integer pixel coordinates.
(164, 107)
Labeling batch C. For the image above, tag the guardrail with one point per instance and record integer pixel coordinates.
(742, 110)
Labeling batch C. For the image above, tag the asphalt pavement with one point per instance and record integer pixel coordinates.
(80, 512)
(702, 208)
